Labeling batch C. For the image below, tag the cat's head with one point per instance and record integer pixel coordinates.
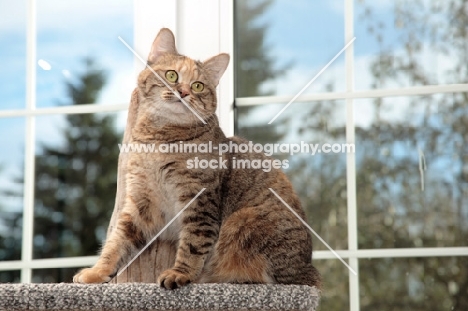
(193, 81)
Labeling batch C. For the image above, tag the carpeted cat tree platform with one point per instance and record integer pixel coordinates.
(140, 296)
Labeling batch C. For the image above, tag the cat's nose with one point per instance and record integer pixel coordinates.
(183, 92)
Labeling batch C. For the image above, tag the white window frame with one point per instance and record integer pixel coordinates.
(353, 253)
(149, 18)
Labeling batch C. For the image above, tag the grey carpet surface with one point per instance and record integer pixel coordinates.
(141, 296)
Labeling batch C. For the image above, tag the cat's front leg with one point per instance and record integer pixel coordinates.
(200, 230)
(124, 239)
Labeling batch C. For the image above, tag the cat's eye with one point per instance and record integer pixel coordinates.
(197, 86)
(171, 76)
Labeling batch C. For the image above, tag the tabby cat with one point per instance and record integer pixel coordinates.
(237, 230)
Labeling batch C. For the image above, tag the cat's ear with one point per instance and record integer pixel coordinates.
(215, 66)
(164, 43)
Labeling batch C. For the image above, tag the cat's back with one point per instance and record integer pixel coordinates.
(253, 173)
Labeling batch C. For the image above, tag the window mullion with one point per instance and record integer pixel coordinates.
(351, 159)
(225, 108)
(28, 199)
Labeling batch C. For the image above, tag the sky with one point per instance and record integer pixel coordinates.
(302, 32)
(67, 32)
(309, 34)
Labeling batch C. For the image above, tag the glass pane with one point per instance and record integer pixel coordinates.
(412, 171)
(409, 43)
(319, 178)
(10, 276)
(11, 187)
(12, 54)
(73, 33)
(56, 275)
(335, 285)
(76, 175)
(281, 45)
(414, 284)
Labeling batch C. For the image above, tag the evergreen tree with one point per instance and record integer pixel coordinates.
(10, 233)
(255, 64)
(76, 182)
(10, 230)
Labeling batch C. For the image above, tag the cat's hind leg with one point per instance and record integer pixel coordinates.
(262, 245)
(236, 257)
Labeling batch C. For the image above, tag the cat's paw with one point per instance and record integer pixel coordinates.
(91, 275)
(172, 279)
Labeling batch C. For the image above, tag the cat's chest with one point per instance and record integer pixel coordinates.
(161, 176)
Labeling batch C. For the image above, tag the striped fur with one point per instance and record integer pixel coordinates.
(237, 231)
